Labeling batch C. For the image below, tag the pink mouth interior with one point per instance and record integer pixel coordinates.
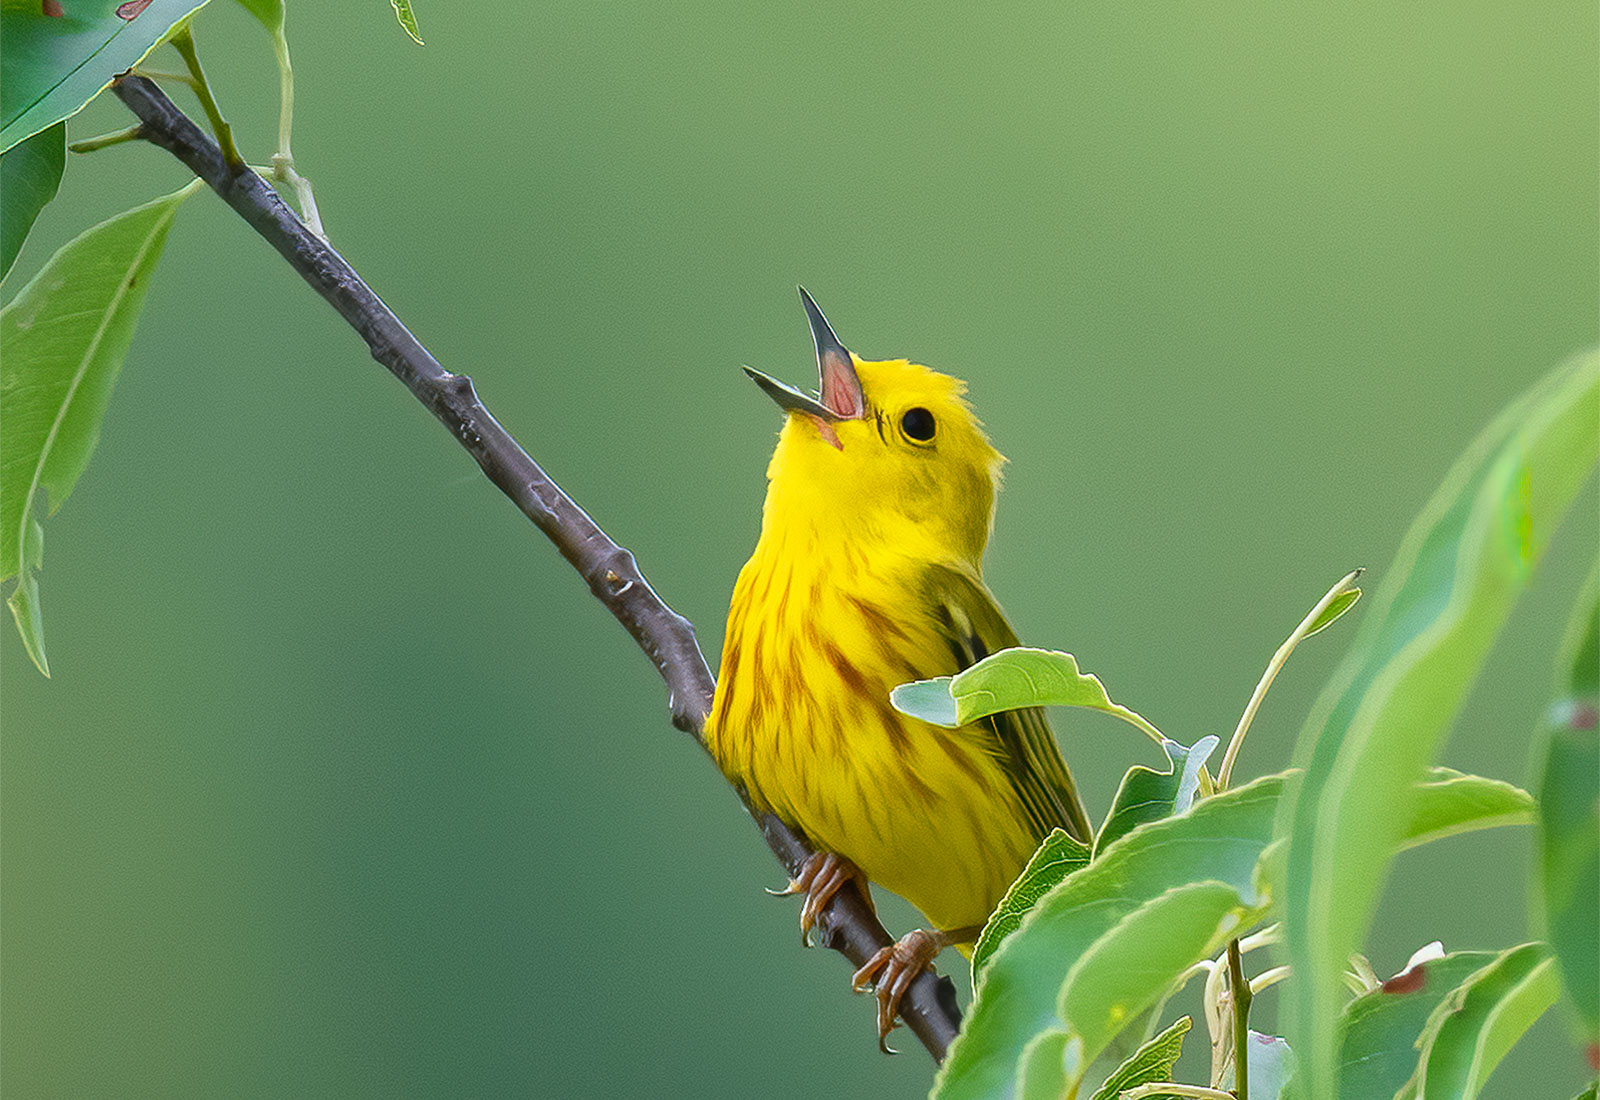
(841, 394)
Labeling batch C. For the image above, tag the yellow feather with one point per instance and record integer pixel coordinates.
(868, 574)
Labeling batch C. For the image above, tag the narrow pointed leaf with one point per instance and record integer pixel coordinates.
(1059, 856)
(1148, 795)
(30, 174)
(24, 605)
(1445, 802)
(1220, 839)
(1342, 603)
(1378, 1031)
(1459, 571)
(407, 18)
(54, 66)
(1151, 1062)
(62, 342)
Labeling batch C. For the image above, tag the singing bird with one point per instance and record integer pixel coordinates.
(868, 574)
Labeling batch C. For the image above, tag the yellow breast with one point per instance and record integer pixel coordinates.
(818, 635)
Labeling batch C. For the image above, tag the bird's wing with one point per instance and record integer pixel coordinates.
(974, 627)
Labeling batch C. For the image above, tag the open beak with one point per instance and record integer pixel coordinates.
(791, 399)
(840, 396)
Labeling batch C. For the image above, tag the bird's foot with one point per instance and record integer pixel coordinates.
(822, 875)
(890, 972)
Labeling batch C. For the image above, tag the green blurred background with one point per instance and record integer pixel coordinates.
(345, 785)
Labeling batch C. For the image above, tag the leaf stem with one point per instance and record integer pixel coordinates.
(1264, 937)
(1268, 978)
(89, 145)
(1137, 720)
(183, 42)
(283, 169)
(1301, 632)
(1240, 995)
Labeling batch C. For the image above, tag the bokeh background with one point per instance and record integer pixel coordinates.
(345, 786)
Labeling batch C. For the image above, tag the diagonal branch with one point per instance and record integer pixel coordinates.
(667, 638)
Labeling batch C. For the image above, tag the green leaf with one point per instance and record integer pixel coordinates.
(30, 174)
(1446, 802)
(1220, 839)
(408, 19)
(24, 605)
(1580, 648)
(62, 342)
(1589, 1093)
(1133, 964)
(1341, 603)
(1055, 859)
(1149, 795)
(269, 12)
(1151, 1062)
(1039, 1072)
(1042, 1076)
(1567, 873)
(1011, 679)
(1481, 1019)
(1458, 573)
(929, 700)
(56, 65)
(1377, 1033)
(1568, 864)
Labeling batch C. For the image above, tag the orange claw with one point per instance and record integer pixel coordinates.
(890, 972)
(822, 876)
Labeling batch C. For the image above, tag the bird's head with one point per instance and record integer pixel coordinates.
(887, 454)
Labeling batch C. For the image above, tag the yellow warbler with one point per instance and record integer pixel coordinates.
(868, 574)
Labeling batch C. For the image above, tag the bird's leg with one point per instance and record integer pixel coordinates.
(890, 972)
(821, 876)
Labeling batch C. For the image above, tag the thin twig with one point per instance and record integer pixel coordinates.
(283, 168)
(1219, 1024)
(183, 42)
(1301, 632)
(105, 141)
(848, 924)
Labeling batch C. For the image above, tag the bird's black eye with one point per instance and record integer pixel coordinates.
(918, 424)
